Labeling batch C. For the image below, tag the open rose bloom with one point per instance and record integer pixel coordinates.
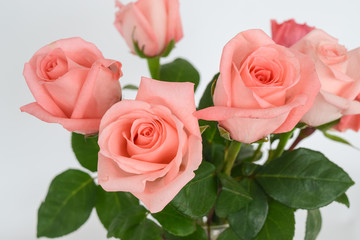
(151, 146)
(263, 87)
(338, 71)
(152, 24)
(73, 84)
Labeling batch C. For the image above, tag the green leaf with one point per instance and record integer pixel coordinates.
(126, 221)
(328, 126)
(247, 222)
(245, 169)
(199, 234)
(146, 230)
(214, 153)
(206, 99)
(68, 204)
(198, 197)
(130, 87)
(279, 224)
(313, 224)
(232, 198)
(110, 204)
(86, 150)
(337, 139)
(228, 234)
(303, 179)
(343, 199)
(179, 70)
(175, 222)
(249, 169)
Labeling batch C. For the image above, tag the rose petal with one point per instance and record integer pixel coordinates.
(289, 32)
(157, 19)
(66, 89)
(53, 65)
(163, 153)
(232, 54)
(163, 192)
(40, 94)
(174, 27)
(84, 126)
(131, 23)
(249, 121)
(349, 122)
(178, 97)
(78, 50)
(242, 96)
(100, 91)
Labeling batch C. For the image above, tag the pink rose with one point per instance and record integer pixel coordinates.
(349, 121)
(152, 145)
(338, 72)
(72, 84)
(263, 87)
(288, 32)
(150, 23)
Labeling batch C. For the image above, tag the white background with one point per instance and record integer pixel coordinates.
(33, 152)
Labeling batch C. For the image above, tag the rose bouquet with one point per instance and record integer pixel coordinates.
(160, 167)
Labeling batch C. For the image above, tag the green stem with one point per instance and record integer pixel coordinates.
(284, 138)
(304, 133)
(230, 156)
(154, 67)
(256, 153)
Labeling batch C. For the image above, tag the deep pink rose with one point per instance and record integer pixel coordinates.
(152, 145)
(72, 84)
(150, 23)
(288, 32)
(263, 87)
(339, 74)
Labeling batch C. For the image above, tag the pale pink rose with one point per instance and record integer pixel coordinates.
(72, 84)
(150, 23)
(288, 32)
(152, 145)
(263, 87)
(339, 74)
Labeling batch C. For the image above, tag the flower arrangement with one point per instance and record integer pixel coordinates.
(196, 167)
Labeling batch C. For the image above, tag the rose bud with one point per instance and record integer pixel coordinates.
(151, 24)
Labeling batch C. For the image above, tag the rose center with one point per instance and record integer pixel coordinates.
(264, 69)
(54, 65)
(145, 134)
(262, 75)
(51, 65)
(332, 53)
